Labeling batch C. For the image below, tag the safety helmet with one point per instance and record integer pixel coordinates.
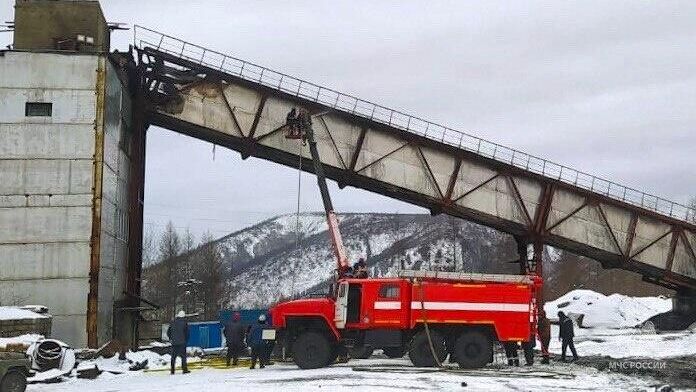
(262, 318)
(181, 314)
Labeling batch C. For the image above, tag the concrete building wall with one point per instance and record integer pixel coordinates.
(114, 214)
(47, 176)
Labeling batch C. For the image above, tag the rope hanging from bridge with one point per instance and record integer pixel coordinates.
(298, 247)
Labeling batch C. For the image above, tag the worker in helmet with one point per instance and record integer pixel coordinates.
(566, 335)
(291, 122)
(178, 334)
(360, 269)
(255, 341)
(234, 335)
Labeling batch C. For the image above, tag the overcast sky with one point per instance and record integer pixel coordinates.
(605, 87)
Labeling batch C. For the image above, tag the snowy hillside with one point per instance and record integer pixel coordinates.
(283, 257)
(267, 264)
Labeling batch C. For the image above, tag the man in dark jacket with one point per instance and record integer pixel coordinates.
(178, 333)
(234, 334)
(566, 335)
(255, 341)
(544, 333)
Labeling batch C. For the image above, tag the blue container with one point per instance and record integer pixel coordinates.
(205, 334)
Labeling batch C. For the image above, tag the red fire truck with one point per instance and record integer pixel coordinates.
(428, 314)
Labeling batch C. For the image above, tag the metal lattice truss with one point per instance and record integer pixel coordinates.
(249, 117)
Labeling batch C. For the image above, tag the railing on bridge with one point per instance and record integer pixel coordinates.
(144, 37)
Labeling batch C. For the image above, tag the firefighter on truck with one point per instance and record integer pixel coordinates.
(431, 316)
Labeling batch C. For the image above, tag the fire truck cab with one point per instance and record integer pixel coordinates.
(459, 314)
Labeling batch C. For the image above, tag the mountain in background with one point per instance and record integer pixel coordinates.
(285, 256)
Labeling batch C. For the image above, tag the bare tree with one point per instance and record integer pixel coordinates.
(167, 280)
(691, 215)
(209, 271)
(149, 250)
(188, 243)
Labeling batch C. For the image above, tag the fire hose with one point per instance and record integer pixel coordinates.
(425, 325)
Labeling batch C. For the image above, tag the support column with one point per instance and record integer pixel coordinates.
(538, 252)
(522, 253)
(136, 188)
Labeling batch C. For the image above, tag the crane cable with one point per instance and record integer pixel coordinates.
(298, 248)
(425, 324)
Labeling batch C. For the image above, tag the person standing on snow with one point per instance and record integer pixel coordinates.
(544, 333)
(234, 334)
(566, 336)
(178, 334)
(255, 341)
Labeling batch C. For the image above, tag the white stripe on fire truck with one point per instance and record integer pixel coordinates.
(387, 305)
(480, 306)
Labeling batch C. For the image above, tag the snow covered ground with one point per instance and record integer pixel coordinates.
(610, 338)
(288, 378)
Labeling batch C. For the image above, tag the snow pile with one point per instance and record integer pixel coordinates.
(15, 313)
(24, 340)
(613, 311)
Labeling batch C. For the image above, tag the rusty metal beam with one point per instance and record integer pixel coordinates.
(611, 232)
(672, 250)
(358, 148)
(97, 189)
(382, 157)
(519, 200)
(477, 187)
(630, 235)
(575, 211)
(229, 107)
(688, 246)
(333, 142)
(453, 179)
(543, 210)
(651, 244)
(257, 116)
(430, 172)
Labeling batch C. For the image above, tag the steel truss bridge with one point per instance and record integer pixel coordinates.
(234, 103)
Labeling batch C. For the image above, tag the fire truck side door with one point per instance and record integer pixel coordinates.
(390, 309)
(341, 313)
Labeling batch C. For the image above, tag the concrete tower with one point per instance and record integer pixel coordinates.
(65, 136)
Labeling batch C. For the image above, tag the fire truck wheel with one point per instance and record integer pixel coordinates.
(420, 353)
(394, 352)
(311, 350)
(361, 352)
(473, 350)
